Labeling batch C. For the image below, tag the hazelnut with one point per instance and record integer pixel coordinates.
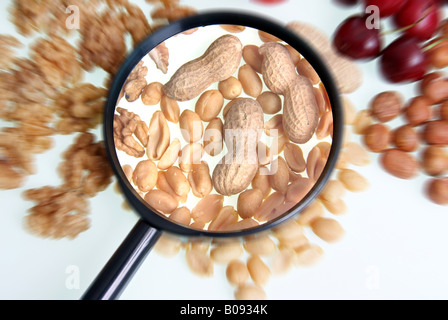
(405, 138)
(386, 105)
(437, 191)
(418, 111)
(434, 160)
(376, 137)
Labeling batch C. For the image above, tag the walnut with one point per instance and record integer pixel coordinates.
(127, 124)
(56, 59)
(161, 55)
(8, 44)
(85, 166)
(9, 177)
(59, 213)
(29, 16)
(136, 23)
(15, 152)
(80, 108)
(103, 42)
(24, 83)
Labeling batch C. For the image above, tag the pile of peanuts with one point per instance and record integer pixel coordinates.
(160, 155)
(420, 143)
(250, 261)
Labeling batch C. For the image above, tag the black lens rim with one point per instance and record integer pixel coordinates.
(206, 19)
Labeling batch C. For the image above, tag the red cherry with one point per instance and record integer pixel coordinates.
(352, 38)
(387, 7)
(347, 3)
(403, 61)
(414, 10)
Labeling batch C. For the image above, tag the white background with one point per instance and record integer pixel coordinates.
(394, 248)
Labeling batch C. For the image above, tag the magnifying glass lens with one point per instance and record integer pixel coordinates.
(223, 128)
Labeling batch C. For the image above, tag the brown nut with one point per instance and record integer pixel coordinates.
(252, 57)
(249, 291)
(237, 273)
(325, 127)
(274, 126)
(226, 217)
(435, 160)
(159, 136)
(213, 137)
(207, 208)
(436, 90)
(161, 201)
(300, 110)
(327, 229)
(177, 181)
(436, 132)
(315, 164)
(418, 111)
(259, 271)
(145, 175)
(399, 163)
(199, 262)
(437, 191)
(261, 181)
(279, 177)
(170, 155)
(305, 69)
(181, 215)
(191, 126)
(386, 105)
(152, 94)
(162, 184)
(429, 77)
(170, 109)
(352, 180)
(250, 80)
(200, 180)
(226, 252)
(219, 62)
(270, 102)
(248, 202)
(233, 28)
(405, 138)
(230, 88)
(209, 105)
(356, 154)
(261, 245)
(294, 157)
(438, 57)
(270, 206)
(189, 155)
(377, 137)
(239, 166)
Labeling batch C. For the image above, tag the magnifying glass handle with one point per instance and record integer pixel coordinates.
(117, 273)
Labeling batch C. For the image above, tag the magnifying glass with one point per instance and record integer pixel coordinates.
(192, 163)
